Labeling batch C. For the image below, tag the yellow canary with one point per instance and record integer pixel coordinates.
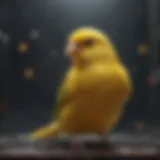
(95, 89)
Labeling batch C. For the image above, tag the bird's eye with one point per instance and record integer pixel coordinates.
(88, 43)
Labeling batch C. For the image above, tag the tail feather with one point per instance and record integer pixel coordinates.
(48, 131)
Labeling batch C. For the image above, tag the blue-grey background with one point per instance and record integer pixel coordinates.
(44, 25)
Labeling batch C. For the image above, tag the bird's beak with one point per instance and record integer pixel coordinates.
(71, 48)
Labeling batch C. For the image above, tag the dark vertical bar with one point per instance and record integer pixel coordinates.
(153, 55)
(10, 29)
(153, 25)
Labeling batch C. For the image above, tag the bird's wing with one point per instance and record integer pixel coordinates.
(63, 96)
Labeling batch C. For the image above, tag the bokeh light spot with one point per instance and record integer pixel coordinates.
(23, 47)
(139, 126)
(142, 49)
(28, 73)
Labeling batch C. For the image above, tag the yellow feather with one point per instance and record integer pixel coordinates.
(96, 86)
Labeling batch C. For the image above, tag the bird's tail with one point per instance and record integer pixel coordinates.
(48, 131)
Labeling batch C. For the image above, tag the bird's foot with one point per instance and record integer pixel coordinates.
(108, 145)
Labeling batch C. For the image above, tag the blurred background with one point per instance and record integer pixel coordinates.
(32, 36)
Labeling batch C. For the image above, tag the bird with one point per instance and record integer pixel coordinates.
(95, 89)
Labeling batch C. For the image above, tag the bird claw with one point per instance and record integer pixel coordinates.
(108, 145)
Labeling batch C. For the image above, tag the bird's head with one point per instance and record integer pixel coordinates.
(88, 45)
